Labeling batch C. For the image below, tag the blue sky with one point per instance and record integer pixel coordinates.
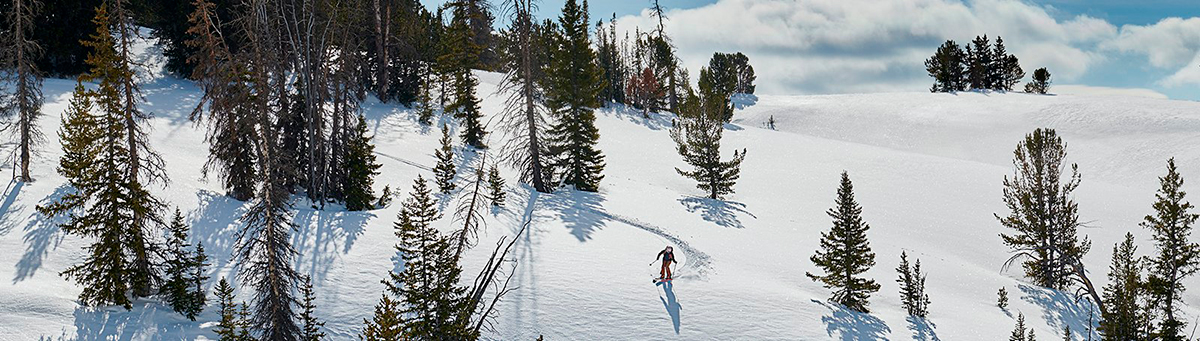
(847, 46)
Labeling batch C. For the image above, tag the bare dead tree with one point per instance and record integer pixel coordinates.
(522, 119)
(20, 71)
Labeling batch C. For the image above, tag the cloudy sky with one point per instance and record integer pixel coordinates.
(1144, 47)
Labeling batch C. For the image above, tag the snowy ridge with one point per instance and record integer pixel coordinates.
(927, 169)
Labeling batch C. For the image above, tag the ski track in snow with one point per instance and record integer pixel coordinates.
(695, 260)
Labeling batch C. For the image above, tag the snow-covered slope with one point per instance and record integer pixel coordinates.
(927, 169)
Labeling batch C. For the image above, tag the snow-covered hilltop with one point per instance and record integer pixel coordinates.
(927, 169)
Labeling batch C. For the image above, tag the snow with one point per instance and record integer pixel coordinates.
(927, 169)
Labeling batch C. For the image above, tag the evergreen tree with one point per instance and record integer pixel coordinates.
(946, 68)
(463, 54)
(979, 63)
(717, 84)
(495, 187)
(572, 92)
(998, 68)
(1043, 213)
(425, 108)
(312, 327)
(110, 203)
(361, 169)
(232, 326)
(427, 287)
(1125, 295)
(697, 136)
(230, 132)
(912, 287)
(444, 172)
(199, 297)
(18, 60)
(1018, 333)
(1177, 258)
(1002, 298)
(845, 252)
(1066, 333)
(610, 61)
(1040, 83)
(387, 324)
(183, 271)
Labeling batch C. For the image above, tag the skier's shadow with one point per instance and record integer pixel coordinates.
(671, 304)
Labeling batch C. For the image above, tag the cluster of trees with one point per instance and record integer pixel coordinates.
(981, 65)
(845, 254)
(1044, 218)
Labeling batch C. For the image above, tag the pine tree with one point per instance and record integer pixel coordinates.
(1124, 295)
(110, 203)
(979, 62)
(946, 68)
(311, 330)
(997, 70)
(1002, 298)
(232, 326)
(845, 252)
(18, 59)
(425, 107)
(495, 187)
(361, 169)
(183, 270)
(1177, 258)
(1066, 333)
(199, 297)
(697, 135)
(387, 324)
(427, 287)
(1029, 336)
(463, 55)
(1043, 213)
(1018, 333)
(912, 287)
(444, 172)
(1040, 83)
(572, 92)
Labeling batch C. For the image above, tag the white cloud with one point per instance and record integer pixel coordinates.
(837, 46)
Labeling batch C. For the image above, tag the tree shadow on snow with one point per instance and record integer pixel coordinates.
(148, 320)
(1061, 309)
(852, 325)
(582, 212)
(41, 233)
(653, 120)
(923, 329)
(8, 212)
(322, 234)
(671, 304)
(720, 212)
(217, 222)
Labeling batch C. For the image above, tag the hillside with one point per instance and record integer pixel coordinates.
(927, 169)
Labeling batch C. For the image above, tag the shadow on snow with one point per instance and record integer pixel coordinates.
(852, 325)
(720, 212)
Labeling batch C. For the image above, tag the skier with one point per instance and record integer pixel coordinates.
(668, 257)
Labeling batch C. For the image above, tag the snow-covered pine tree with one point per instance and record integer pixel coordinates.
(311, 329)
(697, 135)
(845, 252)
(1002, 298)
(912, 287)
(1125, 295)
(110, 203)
(1040, 84)
(181, 267)
(427, 287)
(1067, 333)
(1177, 258)
(979, 62)
(462, 56)
(1044, 216)
(18, 59)
(572, 91)
(444, 172)
(495, 187)
(387, 324)
(523, 117)
(230, 132)
(1019, 332)
(1030, 335)
(361, 168)
(946, 68)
